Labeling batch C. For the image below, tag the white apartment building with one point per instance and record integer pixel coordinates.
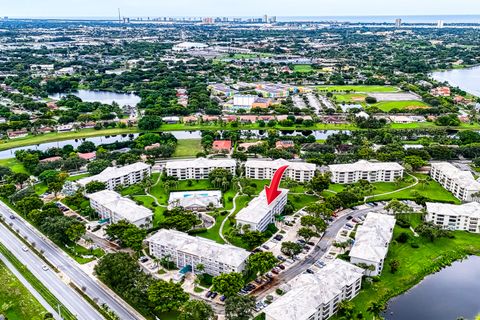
(113, 207)
(461, 183)
(371, 242)
(127, 175)
(464, 217)
(259, 214)
(185, 250)
(198, 169)
(365, 170)
(264, 170)
(317, 296)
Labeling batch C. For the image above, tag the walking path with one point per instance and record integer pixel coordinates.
(220, 231)
(395, 191)
(148, 194)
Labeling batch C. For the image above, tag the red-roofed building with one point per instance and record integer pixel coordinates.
(441, 92)
(222, 145)
(88, 156)
(284, 144)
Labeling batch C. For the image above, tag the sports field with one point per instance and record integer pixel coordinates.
(361, 89)
(389, 105)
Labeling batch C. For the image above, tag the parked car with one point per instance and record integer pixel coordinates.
(349, 225)
(265, 247)
(12, 216)
(213, 295)
(258, 280)
(222, 298)
(281, 266)
(209, 294)
(24, 248)
(311, 243)
(306, 248)
(309, 271)
(278, 237)
(45, 267)
(282, 258)
(143, 259)
(349, 218)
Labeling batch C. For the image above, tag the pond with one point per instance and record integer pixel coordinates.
(106, 97)
(466, 79)
(452, 293)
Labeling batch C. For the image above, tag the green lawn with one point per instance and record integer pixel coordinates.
(41, 188)
(19, 302)
(303, 68)
(78, 177)
(389, 105)
(13, 164)
(415, 264)
(188, 148)
(358, 88)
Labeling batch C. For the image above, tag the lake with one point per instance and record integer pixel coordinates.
(466, 79)
(446, 295)
(106, 97)
(181, 135)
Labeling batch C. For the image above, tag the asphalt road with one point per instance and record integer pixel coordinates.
(67, 266)
(65, 294)
(318, 251)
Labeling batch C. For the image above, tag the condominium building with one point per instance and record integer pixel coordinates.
(113, 207)
(195, 200)
(185, 250)
(259, 214)
(124, 176)
(461, 183)
(371, 242)
(262, 169)
(198, 168)
(365, 170)
(317, 296)
(464, 217)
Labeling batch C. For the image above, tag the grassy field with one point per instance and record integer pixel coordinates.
(188, 148)
(350, 97)
(303, 68)
(358, 88)
(78, 177)
(13, 164)
(415, 264)
(16, 301)
(389, 105)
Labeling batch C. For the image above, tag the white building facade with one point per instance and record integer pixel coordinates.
(113, 207)
(371, 242)
(198, 169)
(195, 200)
(185, 250)
(317, 296)
(365, 170)
(264, 170)
(122, 176)
(465, 217)
(259, 214)
(460, 183)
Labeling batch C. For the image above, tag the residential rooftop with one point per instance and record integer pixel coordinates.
(364, 165)
(258, 207)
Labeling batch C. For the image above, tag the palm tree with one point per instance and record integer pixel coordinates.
(375, 308)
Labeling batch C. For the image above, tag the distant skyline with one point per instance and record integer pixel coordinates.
(183, 8)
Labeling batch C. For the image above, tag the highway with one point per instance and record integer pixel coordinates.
(318, 251)
(65, 294)
(94, 289)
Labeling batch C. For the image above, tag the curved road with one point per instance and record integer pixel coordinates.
(68, 266)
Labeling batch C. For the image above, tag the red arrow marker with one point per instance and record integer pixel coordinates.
(272, 191)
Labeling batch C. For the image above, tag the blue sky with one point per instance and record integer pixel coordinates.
(156, 8)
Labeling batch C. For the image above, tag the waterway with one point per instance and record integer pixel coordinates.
(181, 135)
(106, 97)
(452, 293)
(466, 79)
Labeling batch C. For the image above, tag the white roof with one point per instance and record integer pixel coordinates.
(471, 209)
(113, 172)
(201, 163)
(309, 291)
(258, 207)
(464, 178)
(364, 165)
(372, 237)
(124, 207)
(202, 247)
(187, 199)
(279, 163)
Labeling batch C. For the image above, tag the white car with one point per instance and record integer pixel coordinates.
(24, 248)
(45, 267)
